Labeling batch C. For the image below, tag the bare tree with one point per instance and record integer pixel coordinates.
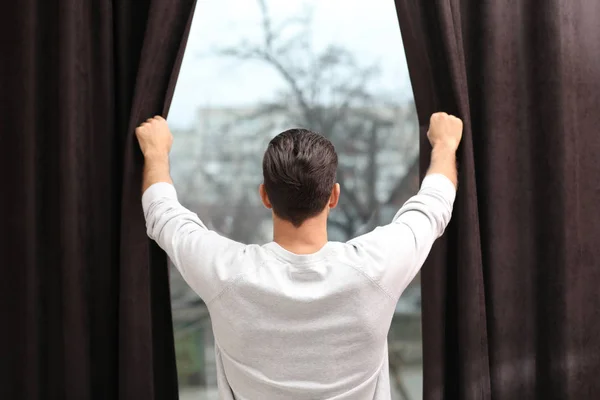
(329, 91)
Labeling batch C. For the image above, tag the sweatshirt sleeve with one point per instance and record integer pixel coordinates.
(393, 254)
(205, 259)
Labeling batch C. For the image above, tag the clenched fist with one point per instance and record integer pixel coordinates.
(445, 131)
(154, 137)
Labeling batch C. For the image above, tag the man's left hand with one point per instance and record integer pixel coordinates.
(154, 137)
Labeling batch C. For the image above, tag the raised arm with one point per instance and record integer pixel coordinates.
(205, 259)
(394, 253)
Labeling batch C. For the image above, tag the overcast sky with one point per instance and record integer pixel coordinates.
(368, 28)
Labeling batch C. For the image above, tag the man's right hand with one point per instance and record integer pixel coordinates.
(445, 131)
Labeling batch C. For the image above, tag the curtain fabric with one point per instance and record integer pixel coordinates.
(511, 306)
(84, 295)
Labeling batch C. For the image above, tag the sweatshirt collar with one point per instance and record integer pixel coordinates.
(294, 258)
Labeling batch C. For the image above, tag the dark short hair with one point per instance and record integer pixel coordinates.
(299, 171)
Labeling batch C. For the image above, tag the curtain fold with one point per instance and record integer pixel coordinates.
(510, 299)
(84, 301)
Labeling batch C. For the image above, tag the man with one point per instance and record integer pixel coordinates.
(301, 317)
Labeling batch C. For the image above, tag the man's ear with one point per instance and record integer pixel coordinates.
(264, 197)
(335, 196)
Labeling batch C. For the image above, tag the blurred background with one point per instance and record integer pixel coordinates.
(254, 68)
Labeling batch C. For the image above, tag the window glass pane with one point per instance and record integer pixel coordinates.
(255, 68)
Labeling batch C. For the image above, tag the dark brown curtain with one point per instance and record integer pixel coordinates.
(84, 296)
(511, 298)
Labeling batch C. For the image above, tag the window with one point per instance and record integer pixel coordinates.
(255, 68)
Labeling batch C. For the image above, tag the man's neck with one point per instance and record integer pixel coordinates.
(308, 238)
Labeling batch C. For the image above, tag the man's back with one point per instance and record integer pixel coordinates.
(291, 326)
(303, 326)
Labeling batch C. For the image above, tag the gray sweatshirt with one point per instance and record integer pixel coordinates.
(291, 326)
